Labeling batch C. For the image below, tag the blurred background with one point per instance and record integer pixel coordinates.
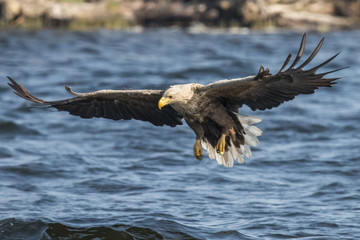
(63, 177)
(322, 15)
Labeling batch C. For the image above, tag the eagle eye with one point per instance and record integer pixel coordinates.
(170, 97)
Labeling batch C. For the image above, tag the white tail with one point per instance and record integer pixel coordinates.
(234, 153)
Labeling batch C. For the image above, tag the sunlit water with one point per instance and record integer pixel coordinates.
(63, 177)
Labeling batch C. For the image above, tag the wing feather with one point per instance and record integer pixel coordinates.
(301, 51)
(265, 91)
(111, 104)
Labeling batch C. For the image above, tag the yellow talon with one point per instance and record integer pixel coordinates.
(220, 146)
(198, 153)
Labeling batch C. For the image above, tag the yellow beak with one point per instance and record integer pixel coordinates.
(163, 102)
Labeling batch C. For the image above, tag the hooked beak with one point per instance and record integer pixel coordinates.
(163, 102)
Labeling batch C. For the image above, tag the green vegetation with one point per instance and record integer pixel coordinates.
(112, 22)
(32, 23)
(112, 5)
(71, 1)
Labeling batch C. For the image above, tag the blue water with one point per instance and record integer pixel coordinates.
(63, 177)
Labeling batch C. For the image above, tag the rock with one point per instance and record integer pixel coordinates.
(34, 8)
(10, 10)
(302, 15)
(68, 11)
(175, 12)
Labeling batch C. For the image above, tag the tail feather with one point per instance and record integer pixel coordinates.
(234, 153)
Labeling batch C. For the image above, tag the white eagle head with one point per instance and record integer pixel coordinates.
(177, 95)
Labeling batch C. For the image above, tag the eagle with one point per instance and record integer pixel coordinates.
(211, 110)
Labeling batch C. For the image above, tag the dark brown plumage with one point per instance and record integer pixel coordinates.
(111, 104)
(265, 91)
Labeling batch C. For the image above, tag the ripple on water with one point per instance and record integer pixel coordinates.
(35, 169)
(5, 152)
(112, 186)
(10, 127)
(168, 230)
(18, 229)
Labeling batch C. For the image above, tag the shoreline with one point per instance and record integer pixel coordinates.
(301, 15)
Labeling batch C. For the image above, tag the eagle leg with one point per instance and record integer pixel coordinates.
(199, 131)
(221, 144)
(198, 152)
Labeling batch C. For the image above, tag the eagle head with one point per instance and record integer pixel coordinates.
(177, 95)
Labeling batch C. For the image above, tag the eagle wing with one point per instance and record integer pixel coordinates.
(265, 90)
(112, 104)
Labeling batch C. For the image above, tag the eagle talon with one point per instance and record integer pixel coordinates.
(198, 153)
(220, 146)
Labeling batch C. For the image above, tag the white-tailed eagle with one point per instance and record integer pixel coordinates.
(210, 110)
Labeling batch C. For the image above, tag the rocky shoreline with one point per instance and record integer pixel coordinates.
(321, 15)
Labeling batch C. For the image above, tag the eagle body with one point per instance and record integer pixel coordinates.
(210, 120)
(211, 110)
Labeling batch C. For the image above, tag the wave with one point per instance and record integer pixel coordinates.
(10, 127)
(13, 228)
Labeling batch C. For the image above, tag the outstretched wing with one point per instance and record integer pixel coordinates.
(112, 104)
(265, 91)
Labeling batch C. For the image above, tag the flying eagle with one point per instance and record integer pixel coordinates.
(211, 111)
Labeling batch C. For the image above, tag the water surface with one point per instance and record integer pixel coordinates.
(63, 177)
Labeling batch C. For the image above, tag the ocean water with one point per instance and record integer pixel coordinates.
(63, 177)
